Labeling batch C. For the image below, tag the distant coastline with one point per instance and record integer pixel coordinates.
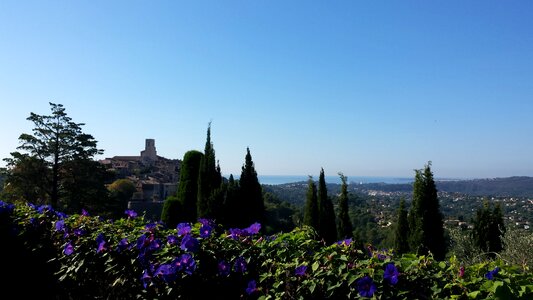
(283, 179)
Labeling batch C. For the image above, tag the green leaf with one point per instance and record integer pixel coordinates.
(312, 287)
(474, 294)
(315, 266)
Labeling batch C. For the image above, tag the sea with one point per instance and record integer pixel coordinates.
(282, 179)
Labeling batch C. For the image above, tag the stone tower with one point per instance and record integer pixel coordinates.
(149, 154)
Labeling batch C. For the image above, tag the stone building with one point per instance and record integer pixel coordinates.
(155, 178)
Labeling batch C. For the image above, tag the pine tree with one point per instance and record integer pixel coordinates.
(344, 228)
(311, 205)
(252, 206)
(327, 225)
(425, 219)
(57, 164)
(401, 232)
(209, 179)
(489, 229)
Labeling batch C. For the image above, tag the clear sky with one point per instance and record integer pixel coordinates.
(367, 88)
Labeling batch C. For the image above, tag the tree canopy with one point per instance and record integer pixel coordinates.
(54, 161)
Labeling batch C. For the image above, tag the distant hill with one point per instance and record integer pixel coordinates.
(498, 187)
(517, 186)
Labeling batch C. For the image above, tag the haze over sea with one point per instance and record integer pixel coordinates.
(281, 179)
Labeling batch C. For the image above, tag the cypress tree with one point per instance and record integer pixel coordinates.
(311, 205)
(488, 229)
(231, 204)
(172, 212)
(401, 233)
(425, 219)
(252, 206)
(344, 228)
(209, 179)
(188, 185)
(327, 227)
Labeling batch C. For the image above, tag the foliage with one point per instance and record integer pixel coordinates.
(128, 258)
(209, 180)
(344, 226)
(311, 214)
(489, 228)
(426, 231)
(172, 212)
(279, 215)
(187, 193)
(55, 161)
(250, 207)
(326, 215)
(401, 231)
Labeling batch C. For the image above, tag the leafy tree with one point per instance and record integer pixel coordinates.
(279, 215)
(344, 228)
(83, 186)
(51, 160)
(489, 228)
(425, 219)
(120, 192)
(311, 205)
(401, 231)
(188, 184)
(327, 227)
(209, 179)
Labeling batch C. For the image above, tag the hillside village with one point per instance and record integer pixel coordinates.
(155, 177)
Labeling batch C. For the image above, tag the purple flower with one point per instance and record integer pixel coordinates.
(79, 232)
(84, 212)
(188, 243)
(252, 287)
(205, 222)
(490, 275)
(224, 268)
(123, 245)
(240, 265)
(253, 229)
(61, 215)
(100, 241)
(44, 208)
(382, 256)
(205, 231)
(154, 245)
(68, 249)
(167, 272)
(150, 227)
(300, 271)
(60, 225)
(183, 229)
(146, 278)
(143, 241)
(461, 271)
(366, 287)
(346, 242)
(235, 233)
(130, 213)
(391, 274)
(172, 239)
(186, 263)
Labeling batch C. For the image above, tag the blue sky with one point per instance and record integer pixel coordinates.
(367, 88)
